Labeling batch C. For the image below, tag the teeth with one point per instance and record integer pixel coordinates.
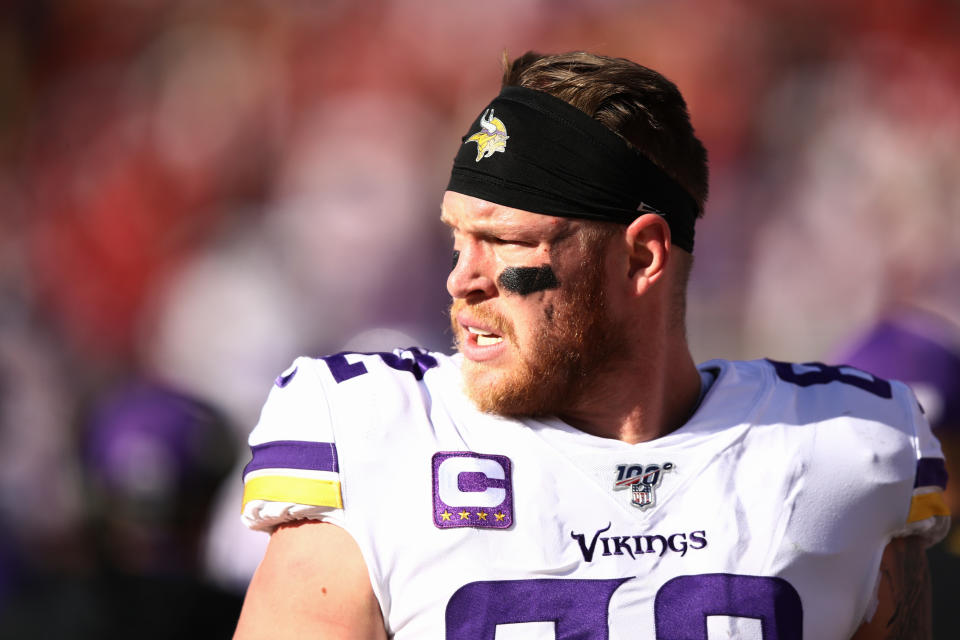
(484, 338)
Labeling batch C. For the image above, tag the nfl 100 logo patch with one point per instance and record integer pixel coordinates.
(472, 490)
(642, 480)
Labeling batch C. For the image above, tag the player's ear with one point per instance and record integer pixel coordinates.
(648, 247)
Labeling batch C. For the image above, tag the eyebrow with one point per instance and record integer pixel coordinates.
(480, 227)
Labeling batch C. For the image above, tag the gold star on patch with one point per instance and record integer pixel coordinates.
(446, 515)
(464, 515)
(499, 516)
(482, 515)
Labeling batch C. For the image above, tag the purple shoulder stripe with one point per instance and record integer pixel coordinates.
(294, 454)
(931, 472)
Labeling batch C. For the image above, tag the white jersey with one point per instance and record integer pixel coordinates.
(764, 516)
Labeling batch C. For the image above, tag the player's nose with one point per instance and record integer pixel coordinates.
(469, 276)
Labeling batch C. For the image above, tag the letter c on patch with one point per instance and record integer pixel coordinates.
(471, 481)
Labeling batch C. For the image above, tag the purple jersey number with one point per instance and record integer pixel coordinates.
(417, 363)
(579, 608)
(820, 373)
(682, 605)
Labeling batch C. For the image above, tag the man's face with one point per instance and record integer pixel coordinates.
(529, 313)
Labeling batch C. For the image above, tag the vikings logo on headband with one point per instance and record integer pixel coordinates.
(491, 138)
(562, 162)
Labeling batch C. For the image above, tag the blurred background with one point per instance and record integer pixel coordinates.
(194, 193)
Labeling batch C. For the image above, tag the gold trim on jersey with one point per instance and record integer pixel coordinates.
(310, 491)
(926, 506)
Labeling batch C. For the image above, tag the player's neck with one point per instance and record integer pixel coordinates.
(641, 399)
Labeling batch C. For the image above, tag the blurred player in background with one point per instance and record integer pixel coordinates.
(571, 472)
(152, 458)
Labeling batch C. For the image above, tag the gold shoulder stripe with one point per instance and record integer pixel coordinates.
(320, 493)
(926, 506)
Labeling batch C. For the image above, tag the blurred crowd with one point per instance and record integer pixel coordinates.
(194, 193)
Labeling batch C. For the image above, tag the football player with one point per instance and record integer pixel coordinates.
(571, 472)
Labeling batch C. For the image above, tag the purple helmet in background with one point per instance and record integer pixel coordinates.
(156, 453)
(920, 348)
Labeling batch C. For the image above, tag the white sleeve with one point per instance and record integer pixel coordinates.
(294, 472)
(929, 516)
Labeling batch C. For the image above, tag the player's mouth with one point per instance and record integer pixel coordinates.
(479, 340)
(482, 337)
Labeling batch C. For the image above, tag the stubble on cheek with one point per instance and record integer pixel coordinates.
(552, 368)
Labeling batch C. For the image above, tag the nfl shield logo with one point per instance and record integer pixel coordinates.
(642, 480)
(642, 496)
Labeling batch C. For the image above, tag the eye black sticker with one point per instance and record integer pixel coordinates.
(527, 280)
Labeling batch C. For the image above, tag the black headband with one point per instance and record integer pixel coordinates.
(528, 150)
